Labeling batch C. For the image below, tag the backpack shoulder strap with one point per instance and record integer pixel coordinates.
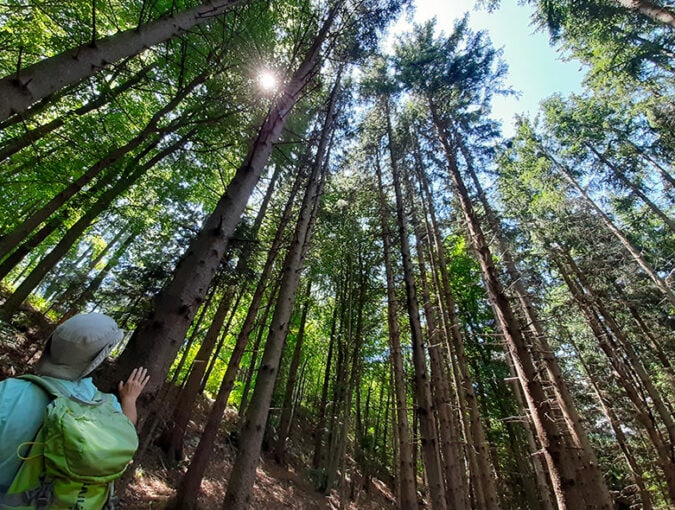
(56, 390)
(51, 387)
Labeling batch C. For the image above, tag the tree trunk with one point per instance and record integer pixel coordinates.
(20, 90)
(484, 490)
(241, 481)
(560, 463)
(16, 144)
(407, 493)
(13, 302)
(589, 470)
(614, 422)
(425, 410)
(186, 496)
(321, 421)
(622, 374)
(285, 419)
(650, 10)
(181, 416)
(196, 327)
(219, 347)
(155, 342)
(632, 362)
(464, 386)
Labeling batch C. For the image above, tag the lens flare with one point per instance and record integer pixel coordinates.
(267, 81)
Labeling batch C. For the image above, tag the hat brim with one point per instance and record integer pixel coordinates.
(73, 372)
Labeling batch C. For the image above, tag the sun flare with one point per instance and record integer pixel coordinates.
(267, 81)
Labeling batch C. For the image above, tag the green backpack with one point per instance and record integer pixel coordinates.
(79, 450)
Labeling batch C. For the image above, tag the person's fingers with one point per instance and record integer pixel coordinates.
(120, 386)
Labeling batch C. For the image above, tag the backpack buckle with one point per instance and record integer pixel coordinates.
(44, 495)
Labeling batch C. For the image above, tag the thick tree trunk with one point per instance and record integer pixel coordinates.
(186, 496)
(196, 330)
(651, 10)
(20, 90)
(181, 416)
(156, 341)
(407, 493)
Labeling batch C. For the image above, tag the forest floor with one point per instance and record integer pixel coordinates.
(152, 482)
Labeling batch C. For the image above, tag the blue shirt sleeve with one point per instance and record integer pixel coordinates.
(22, 408)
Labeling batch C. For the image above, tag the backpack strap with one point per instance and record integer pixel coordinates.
(40, 498)
(53, 388)
(56, 389)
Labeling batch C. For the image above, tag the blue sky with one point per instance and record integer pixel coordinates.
(535, 68)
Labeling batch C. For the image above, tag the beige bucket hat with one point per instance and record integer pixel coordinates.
(78, 346)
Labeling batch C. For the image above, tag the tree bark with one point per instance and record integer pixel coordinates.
(155, 342)
(561, 465)
(20, 90)
(12, 239)
(241, 481)
(407, 493)
(650, 10)
(622, 374)
(11, 305)
(186, 496)
(181, 416)
(592, 481)
(425, 409)
(285, 419)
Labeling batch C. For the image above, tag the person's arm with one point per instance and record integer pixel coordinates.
(130, 391)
